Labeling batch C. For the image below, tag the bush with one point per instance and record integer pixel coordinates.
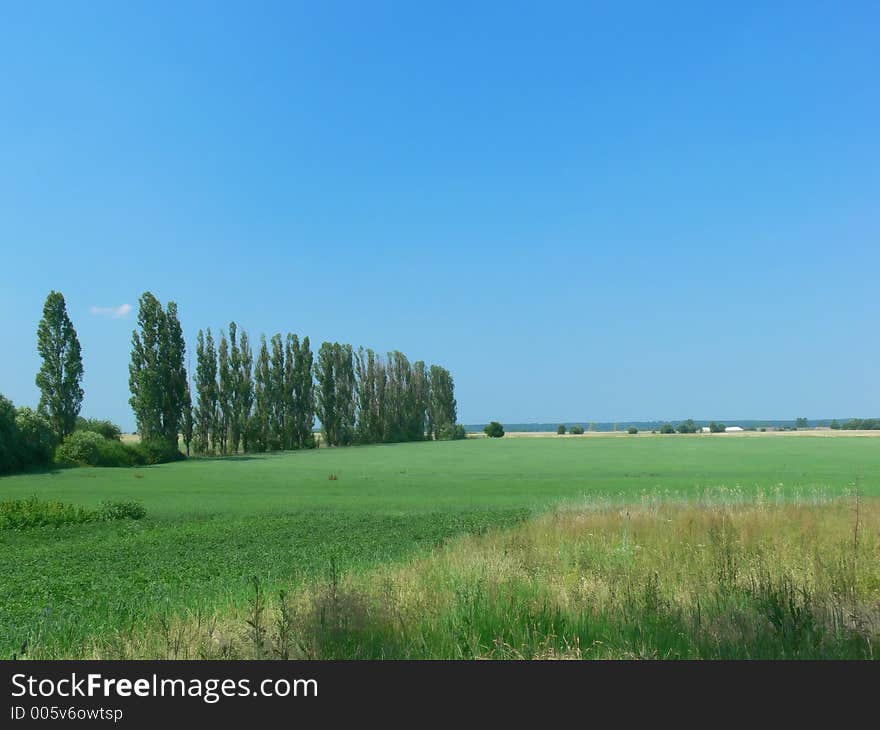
(687, 426)
(667, 428)
(159, 451)
(107, 429)
(89, 448)
(9, 456)
(122, 511)
(454, 432)
(36, 439)
(81, 448)
(578, 430)
(21, 514)
(632, 430)
(560, 429)
(494, 430)
(716, 427)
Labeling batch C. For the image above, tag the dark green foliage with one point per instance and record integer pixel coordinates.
(667, 428)
(834, 424)
(334, 372)
(36, 438)
(157, 375)
(716, 427)
(687, 426)
(61, 370)
(442, 408)
(187, 425)
(224, 394)
(802, 423)
(10, 459)
(205, 411)
(88, 448)
(494, 430)
(632, 430)
(454, 432)
(560, 429)
(577, 429)
(244, 394)
(279, 399)
(107, 429)
(303, 394)
(861, 424)
(155, 452)
(263, 399)
(23, 514)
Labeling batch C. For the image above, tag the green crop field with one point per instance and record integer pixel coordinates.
(214, 524)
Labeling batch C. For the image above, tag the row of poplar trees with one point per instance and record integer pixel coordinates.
(239, 403)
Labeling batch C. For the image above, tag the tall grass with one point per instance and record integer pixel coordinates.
(660, 579)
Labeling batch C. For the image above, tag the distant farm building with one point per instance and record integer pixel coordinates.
(732, 429)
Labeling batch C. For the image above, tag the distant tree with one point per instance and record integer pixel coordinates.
(262, 398)
(801, 423)
(225, 386)
(687, 426)
(278, 397)
(835, 425)
(303, 394)
(245, 390)
(716, 427)
(204, 414)
(10, 458)
(494, 430)
(107, 429)
(60, 376)
(420, 393)
(667, 428)
(345, 393)
(593, 427)
(632, 430)
(187, 425)
(326, 394)
(577, 429)
(235, 394)
(157, 374)
(560, 429)
(442, 408)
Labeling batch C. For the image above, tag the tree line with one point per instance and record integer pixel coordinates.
(271, 402)
(242, 402)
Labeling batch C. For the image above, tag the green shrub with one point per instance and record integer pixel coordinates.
(560, 429)
(37, 440)
(716, 427)
(89, 448)
(9, 456)
(632, 430)
(494, 430)
(577, 430)
(107, 429)
(122, 511)
(454, 432)
(22, 514)
(687, 426)
(19, 514)
(158, 451)
(667, 428)
(81, 448)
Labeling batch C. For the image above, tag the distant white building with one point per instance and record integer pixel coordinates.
(732, 429)
(705, 429)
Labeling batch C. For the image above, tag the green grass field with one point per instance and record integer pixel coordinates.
(213, 524)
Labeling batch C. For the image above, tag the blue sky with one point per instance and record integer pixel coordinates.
(603, 211)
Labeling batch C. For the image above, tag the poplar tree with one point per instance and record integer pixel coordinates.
(157, 374)
(418, 402)
(187, 424)
(288, 399)
(262, 395)
(60, 376)
(326, 394)
(224, 392)
(245, 389)
(441, 401)
(235, 400)
(278, 397)
(206, 392)
(303, 394)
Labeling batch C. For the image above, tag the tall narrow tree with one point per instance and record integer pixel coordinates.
(303, 394)
(262, 396)
(278, 396)
(245, 383)
(224, 392)
(236, 390)
(206, 392)
(60, 375)
(326, 392)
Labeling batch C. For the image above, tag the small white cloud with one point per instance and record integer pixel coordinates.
(119, 312)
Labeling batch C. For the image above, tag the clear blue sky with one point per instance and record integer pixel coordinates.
(586, 211)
